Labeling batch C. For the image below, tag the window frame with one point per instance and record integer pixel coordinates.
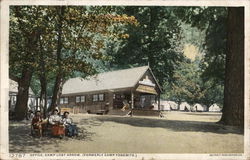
(78, 98)
(64, 101)
(103, 97)
(95, 98)
(82, 98)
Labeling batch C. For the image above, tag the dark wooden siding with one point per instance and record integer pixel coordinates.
(89, 104)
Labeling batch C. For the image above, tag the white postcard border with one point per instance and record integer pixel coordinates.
(4, 137)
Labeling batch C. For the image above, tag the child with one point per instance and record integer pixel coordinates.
(37, 122)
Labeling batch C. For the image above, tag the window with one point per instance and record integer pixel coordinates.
(98, 97)
(64, 100)
(82, 98)
(101, 97)
(95, 97)
(78, 99)
(61, 100)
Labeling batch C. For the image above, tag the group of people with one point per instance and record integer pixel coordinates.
(60, 125)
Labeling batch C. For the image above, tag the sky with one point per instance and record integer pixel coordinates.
(190, 51)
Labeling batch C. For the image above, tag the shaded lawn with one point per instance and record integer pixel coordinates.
(174, 125)
(21, 140)
(134, 134)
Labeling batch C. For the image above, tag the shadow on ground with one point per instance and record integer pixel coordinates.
(202, 114)
(174, 125)
(20, 139)
(92, 121)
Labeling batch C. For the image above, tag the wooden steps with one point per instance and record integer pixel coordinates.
(118, 112)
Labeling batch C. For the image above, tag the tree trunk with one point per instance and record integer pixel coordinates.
(59, 76)
(23, 94)
(55, 96)
(27, 72)
(43, 94)
(43, 79)
(233, 110)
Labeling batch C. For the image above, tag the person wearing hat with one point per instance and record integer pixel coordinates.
(57, 125)
(70, 128)
(55, 118)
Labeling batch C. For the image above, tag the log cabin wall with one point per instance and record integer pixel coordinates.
(131, 92)
(89, 104)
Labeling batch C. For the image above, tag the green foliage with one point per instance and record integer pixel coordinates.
(155, 41)
(24, 24)
(34, 39)
(203, 81)
(212, 21)
(99, 38)
(188, 86)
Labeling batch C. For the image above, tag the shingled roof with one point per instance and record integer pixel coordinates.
(126, 78)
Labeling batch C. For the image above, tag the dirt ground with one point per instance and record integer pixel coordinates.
(178, 132)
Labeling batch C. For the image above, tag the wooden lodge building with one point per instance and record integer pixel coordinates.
(137, 88)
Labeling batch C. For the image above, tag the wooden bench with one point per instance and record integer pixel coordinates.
(66, 110)
(102, 111)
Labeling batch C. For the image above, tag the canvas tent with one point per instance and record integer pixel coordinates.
(198, 108)
(173, 105)
(155, 106)
(165, 106)
(184, 106)
(214, 108)
(168, 105)
(13, 91)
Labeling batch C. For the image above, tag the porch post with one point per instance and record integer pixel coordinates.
(159, 101)
(111, 96)
(36, 103)
(132, 99)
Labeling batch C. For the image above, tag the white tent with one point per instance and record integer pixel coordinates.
(168, 105)
(155, 106)
(184, 106)
(13, 91)
(198, 108)
(165, 106)
(214, 108)
(173, 105)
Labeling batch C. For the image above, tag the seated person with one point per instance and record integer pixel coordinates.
(125, 105)
(57, 125)
(38, 122)
(71, 129)
(55, 118)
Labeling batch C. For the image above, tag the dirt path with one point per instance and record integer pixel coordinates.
(178, 132)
